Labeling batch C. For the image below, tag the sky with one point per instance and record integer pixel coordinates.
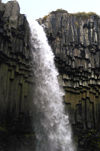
(40, 8)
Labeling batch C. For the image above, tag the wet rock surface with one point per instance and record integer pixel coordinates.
(75, 40)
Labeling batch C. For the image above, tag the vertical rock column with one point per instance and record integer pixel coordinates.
(16, 79)
(75, 40)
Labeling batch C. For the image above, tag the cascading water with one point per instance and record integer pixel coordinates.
(53, 132)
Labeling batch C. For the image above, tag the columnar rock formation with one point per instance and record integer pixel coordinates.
(15, 78)
(75, 40)
(15, 63)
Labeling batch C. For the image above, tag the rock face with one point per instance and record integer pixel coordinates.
(75, 40)
(15, 80)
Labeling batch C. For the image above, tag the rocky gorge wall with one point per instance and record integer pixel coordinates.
(75, 40)
(16, 80)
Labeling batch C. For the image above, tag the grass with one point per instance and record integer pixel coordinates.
(84, 14)
(53, 12)
(59, 11)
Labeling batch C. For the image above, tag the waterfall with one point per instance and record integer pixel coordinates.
(51, 125)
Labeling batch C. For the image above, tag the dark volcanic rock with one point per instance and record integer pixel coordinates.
(16, 80)
(15, 59)
(75, 40)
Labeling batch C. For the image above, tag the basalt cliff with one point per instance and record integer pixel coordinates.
(75, 40)
(16, 82)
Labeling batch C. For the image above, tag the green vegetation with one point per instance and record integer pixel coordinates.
(59, 11)
(45, 17)
(54, 12)
(84, 15)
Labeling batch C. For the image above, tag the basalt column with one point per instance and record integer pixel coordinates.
(16, 77)
(75, 40)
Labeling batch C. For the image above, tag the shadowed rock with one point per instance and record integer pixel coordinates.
(16, 80)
